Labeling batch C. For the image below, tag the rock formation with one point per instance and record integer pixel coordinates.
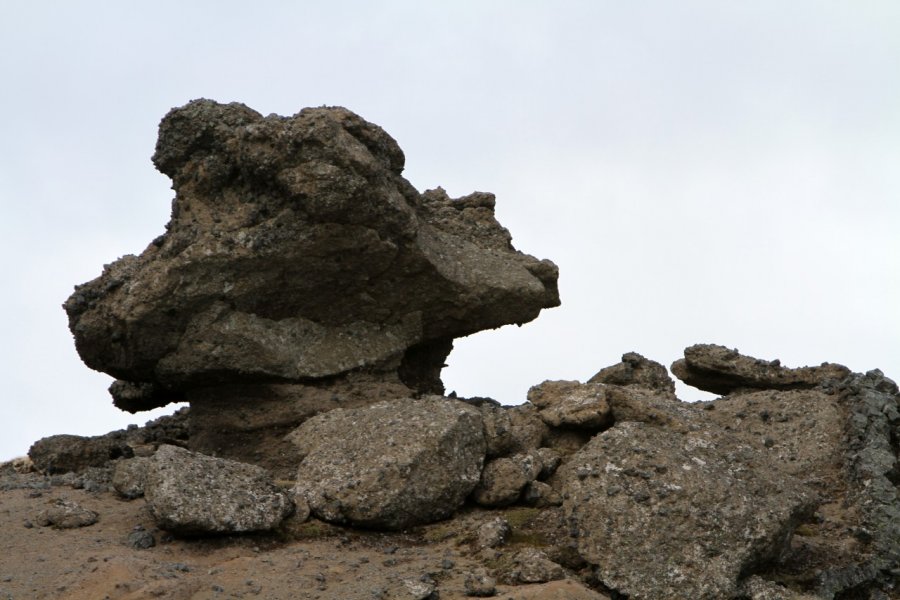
(297, 259)
(304, 299)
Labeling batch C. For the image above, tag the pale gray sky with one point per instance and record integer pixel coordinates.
(712, 171)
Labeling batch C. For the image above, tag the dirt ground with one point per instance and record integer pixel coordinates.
(305, 560)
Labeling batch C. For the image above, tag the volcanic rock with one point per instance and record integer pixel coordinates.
(390, 465)
(65, 514)
(503, 479)
(636, 371)
(720, 370)
(190, 493)
(665, 514)
(571, 404)
(296, 251)
(64, 453)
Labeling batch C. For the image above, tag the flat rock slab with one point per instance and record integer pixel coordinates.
(390, 465)
(664, 514)
(721, 370)
(192, 493)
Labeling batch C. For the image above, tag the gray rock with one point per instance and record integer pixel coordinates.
(571, 404)
(636, 371)
(75, 453)
(554, 590)
(720, 370)
(526, 428)
(540, 495)
(191, 493)
(297, 251)
(550, 461)
(390, 465)
(479, 584)
(141, 540)
(532, 566)
(65, 514)
(503, 479)
(666, 514)
(493, 533)
(129, 475)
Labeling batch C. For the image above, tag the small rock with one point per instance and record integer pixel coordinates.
(503, 479)
(141, 540)
(571, 404)
(532, 566)
(64, 514)
(417, 589)
(540, 495)
(479, 584)
(128, 478)
(493, 533)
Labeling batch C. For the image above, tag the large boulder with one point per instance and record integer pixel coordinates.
(296, 251)
(392, 464)
(191, 493)
(665, 514)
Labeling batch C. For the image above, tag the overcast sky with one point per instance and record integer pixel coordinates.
(723, 172)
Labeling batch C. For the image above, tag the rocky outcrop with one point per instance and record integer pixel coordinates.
(390, 465)
(296, 251)
(636, 371)
(190, 493)
(720, 370)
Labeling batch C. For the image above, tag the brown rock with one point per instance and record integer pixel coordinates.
(636, 371)
(571, 404)
(720, 370)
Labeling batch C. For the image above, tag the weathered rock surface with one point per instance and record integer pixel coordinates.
(297, 251)
(555, 590)
(65, 514)
(636, 371)
(503, 479)
(191, 493)
(571, 404)
(129, 476)
(390, 465)
(720, 370)
(532, 566)
(63, 453)
(666, 514)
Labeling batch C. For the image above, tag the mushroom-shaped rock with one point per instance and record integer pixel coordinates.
(392, 464)
(297, 251)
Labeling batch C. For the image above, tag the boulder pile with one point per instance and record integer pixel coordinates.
(303, 300)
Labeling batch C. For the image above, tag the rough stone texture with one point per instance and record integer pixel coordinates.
(532, 566)
(479, 584)
(129, 476)
(65, 514)
(503, 479)
(493, 533)
(64, 453)
(636, 371)
(554, 590)
(571, 404)
(540, 495)
(390, 465)
(527, 429)
(720, 370)
(665, 514)
(249, 422)
(191, 493)
(297, 251)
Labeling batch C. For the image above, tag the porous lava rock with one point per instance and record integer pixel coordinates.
(297, 252)
(665, 514)
(390, 465)
(636, 371)
(190, 493)
(721, 370)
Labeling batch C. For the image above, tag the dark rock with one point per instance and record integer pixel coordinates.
(479, 584)
(390, 465)
(190, 493)
(297, 251)
(720, 370)
(74, 453)
(141, 540)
